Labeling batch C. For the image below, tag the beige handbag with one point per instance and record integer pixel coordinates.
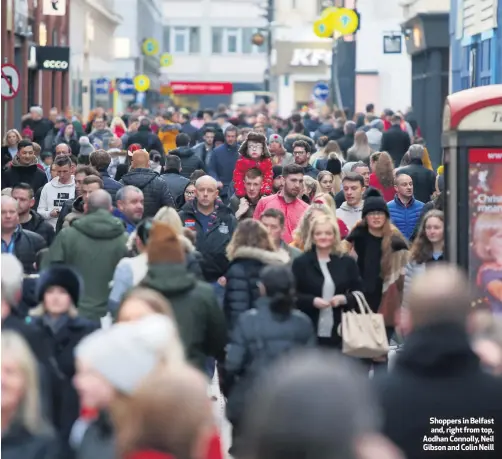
(363, 334)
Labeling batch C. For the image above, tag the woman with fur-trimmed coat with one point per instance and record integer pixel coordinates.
(253, 154)
(382, 255)
(249, 251)
(61, 329)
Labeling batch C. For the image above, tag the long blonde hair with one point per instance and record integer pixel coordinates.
(10, 131)
(170, 216)
(29, 410)
(329, 219)
(302, 231)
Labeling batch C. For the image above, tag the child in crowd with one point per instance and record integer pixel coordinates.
(254, 154)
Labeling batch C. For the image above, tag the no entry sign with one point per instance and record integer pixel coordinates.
(10, 81)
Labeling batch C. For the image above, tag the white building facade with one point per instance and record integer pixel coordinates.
(378, 77)
(92, 25)
(210, 41)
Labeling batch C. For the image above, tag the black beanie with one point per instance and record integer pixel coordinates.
(375, 204)
(334, 166)
(60, 276)
(277, 171)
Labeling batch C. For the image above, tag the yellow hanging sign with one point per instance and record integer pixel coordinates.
(141, 83)
(166, 60)
(150, 47)
(345, 21)
(323, 28)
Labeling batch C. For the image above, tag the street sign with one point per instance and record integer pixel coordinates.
(141, 83)
(125, 86)
(166, 60)
(102, 86)
(321, 92)
(54, 7)
(150, 47)
(346, 21)
(10, 81)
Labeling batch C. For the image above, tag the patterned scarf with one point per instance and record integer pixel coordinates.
(218, 204)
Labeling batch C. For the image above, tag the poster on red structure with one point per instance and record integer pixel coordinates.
(485, 226)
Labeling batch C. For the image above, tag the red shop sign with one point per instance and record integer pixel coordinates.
(485, 155)
(190, 88)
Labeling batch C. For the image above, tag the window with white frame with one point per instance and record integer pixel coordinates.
(181, 40)
(232, 40)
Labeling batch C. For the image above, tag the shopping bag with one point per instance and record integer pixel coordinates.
(363, 333)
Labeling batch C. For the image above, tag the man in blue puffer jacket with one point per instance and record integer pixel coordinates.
(404, 209)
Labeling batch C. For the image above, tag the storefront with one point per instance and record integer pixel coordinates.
(298, 67)
(427, 42)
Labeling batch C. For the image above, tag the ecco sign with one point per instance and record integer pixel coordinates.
(55, 65)
(310, 57)
(53, 58)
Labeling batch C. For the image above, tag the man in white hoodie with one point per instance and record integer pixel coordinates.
(57, 191)
(350, 212)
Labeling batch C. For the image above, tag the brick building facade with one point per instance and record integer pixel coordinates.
(24, 27)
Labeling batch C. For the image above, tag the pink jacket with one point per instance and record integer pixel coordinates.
(292, 211)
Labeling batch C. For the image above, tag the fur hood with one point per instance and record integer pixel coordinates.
(39, 311)
(254, 137)
(266, 257)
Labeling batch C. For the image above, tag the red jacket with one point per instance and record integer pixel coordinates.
(243, 164)
(344, 231)
(388, 193)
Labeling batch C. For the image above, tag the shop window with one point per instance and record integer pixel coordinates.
(227, 40)
(181, 40)
(485, 64)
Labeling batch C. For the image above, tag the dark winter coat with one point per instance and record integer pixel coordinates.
(26, 246)
(437, 375)
(234, 204)
(203, 153)
(424, 180)
(191, 131)
(200, 320)
(38, 225)
(328, 130)
(17, 173)
(147, 139)
(242, 277)
(176, 184)
(18, 443)
(222, 165)
(94, 244)
(309, 285)
(311, 171)
(396, 142)
(259, 338)
(72, 143)
(61, 346)
(39, 127)
(98, 440)
(155, 190)
(190, 162)
(77, 211)
(345, 143)
(65, 210)
(110, 185)
(213, 243)
(6, 156)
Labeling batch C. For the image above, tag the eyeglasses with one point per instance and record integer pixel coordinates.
(255, 146)
(299, 153)
(190, 193)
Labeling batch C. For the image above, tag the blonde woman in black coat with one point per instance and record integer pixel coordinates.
(325, 279)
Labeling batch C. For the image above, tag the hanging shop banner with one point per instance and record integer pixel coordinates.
(53, 58)
(150, 47)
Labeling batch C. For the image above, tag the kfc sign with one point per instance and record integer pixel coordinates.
(310, 58)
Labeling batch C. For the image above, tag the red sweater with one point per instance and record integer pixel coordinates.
(388, 193)
(243, 164)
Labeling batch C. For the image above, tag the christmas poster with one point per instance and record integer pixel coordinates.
(485, 232)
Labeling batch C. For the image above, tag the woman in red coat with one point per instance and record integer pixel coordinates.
(382, 175)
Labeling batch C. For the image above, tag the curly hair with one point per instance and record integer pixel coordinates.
(384, 168)
(250, 233)
(421, 249)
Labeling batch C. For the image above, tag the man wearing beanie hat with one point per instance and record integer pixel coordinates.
(200, 320)
(279, 154)
(56, 318)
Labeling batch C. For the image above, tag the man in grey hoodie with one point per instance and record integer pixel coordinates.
(350, 212)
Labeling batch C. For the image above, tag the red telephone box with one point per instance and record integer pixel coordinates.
(472, 152)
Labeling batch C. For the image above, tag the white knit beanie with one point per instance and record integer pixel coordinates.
(126, 353)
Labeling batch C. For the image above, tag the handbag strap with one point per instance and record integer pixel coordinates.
(362, 303)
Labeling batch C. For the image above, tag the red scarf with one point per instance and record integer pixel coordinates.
(150, 454)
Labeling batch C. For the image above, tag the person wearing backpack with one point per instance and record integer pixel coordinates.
(261, 335)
